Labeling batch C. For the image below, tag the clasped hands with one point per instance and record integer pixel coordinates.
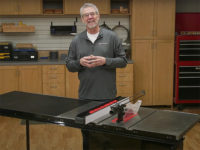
(92, 61)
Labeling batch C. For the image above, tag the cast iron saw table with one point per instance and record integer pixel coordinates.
(157, 126)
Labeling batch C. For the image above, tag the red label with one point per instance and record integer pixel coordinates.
(101, 107)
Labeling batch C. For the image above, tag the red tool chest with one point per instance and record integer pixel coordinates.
(187, 69)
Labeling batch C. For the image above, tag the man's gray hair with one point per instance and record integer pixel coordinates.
(88, 5)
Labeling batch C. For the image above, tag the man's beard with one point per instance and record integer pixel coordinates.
(93, 25)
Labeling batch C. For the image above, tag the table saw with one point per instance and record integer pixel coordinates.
(165, 128)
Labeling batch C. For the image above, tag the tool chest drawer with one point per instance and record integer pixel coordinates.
(189, 50)
(189, 76)
(189, 82)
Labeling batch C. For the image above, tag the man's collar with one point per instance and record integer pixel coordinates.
(84, 34)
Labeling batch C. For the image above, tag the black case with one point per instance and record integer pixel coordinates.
(24, 54)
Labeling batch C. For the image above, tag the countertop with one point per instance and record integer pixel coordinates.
(39, 62)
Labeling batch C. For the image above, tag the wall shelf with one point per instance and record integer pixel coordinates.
(18, 28)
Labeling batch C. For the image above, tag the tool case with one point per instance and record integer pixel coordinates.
(24, 54)
(5, 50)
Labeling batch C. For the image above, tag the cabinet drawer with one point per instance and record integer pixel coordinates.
(53, 85)
(128, 68)
(189, 93)
(57, 89)
(125, 94)
(124, 86)
(123, 76)
(53, 69)
(124, 89)
(48, 78)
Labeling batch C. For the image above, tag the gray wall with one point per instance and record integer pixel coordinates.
(187, 6)
(42, 39)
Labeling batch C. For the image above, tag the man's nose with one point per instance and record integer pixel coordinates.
(90, 16)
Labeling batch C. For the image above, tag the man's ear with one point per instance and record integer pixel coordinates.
(99, 16)
(82, 20)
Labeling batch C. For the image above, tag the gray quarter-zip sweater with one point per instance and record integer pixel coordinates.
(97, 83)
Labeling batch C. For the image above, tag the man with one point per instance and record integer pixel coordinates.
(95, 54)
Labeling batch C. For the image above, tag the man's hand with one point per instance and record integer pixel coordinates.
(98, 61)
(84, 61)
(92, 61)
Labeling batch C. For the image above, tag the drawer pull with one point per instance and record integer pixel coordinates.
(53, 77)
(189, 77)
(189, 86)
(53, 87)
(53, 68)
(122, 76)
(197, 68)
(122, 85)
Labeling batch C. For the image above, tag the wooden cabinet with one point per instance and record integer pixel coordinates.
(153, 19)
(103, 6)
(72, 84)
(8, 79)
(142, 19)
(124, 77)
(164, 26)
(30, 7)
(20, 78)
(53, 80)
(153, 70)
(73, 6)
(30, 79)
(20, 7)
(143, 57)
(152, 49)
(8, 7)
(163, 69)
